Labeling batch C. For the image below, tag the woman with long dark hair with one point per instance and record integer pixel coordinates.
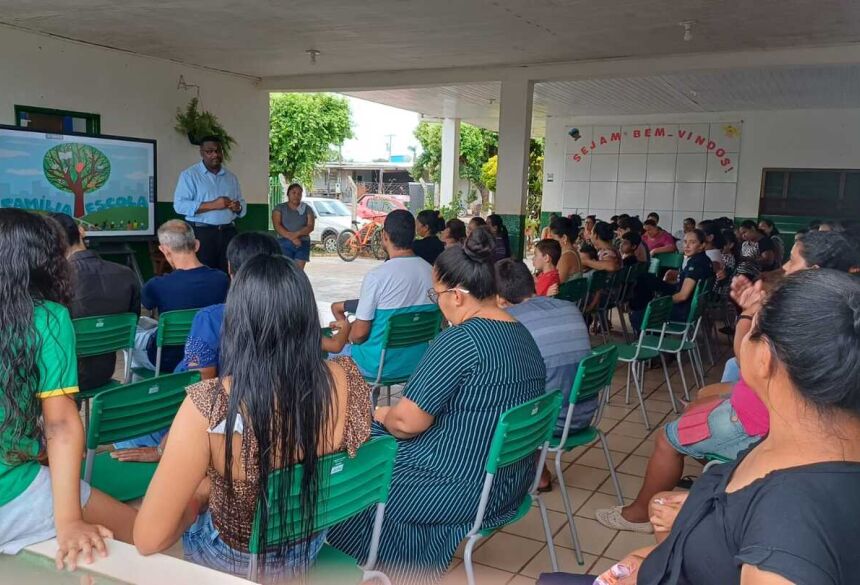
(502, 247)
(428, 246)
(39, 418)
(283, 405)
(770, 229)
(482, 365)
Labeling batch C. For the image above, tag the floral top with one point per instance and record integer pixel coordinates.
(233, 514)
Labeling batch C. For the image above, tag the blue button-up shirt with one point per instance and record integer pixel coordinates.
(198, 185)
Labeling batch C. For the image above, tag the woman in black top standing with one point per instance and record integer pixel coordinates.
(429, 246)
(786, 511)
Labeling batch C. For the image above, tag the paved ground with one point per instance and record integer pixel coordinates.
(335, 280)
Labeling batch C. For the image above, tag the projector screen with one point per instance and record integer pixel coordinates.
(107, 183)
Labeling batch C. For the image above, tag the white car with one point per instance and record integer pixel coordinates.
(332, 217)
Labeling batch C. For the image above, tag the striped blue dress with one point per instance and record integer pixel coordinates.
(468, 377)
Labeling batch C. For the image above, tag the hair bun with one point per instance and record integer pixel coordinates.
(854, 305)
(480, 244)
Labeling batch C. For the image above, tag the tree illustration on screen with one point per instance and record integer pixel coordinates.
(76, 169)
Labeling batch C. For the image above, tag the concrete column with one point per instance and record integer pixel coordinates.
(553, 167)
(450, 160)
(515, 124)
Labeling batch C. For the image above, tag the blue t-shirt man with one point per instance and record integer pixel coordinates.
(182, 289)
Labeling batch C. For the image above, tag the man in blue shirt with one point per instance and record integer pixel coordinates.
(191, 285)
(209, 197)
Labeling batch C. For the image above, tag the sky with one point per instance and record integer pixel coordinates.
(372, 123)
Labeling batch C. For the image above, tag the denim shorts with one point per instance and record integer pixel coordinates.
(728, 437)
(29, 518)
(293, 252)
(202, 545)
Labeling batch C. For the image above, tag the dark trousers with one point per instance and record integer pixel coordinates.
(213, 244)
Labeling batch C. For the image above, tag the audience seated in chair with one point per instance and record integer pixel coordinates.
(546, 258)
(785, 511)
(397, 286)
(734, 415)
(475, 370)
(231, 432)
(99, 287)
(202, 348)
(560, 333)
(191, 285)
(428, 224)
(41, 434)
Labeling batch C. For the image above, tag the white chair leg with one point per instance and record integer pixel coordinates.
(638, 383)
(376, 576)
(627, 391)
(550, 547)
(668, 383)
(680, 361)
(611, 465)
(568, 509)
(467, 558)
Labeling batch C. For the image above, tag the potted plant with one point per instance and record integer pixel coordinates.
(196, 124)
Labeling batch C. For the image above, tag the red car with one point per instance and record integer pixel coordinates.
(376, 207)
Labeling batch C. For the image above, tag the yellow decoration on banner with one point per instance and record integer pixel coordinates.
(731, 131)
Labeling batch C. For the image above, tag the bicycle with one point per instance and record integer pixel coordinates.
(351, 243)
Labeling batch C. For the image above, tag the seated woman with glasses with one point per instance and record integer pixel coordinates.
(475, 370)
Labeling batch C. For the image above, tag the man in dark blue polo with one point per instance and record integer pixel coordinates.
(209, 198)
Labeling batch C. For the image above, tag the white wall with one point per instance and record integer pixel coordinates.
(137, 96)
(794, 138)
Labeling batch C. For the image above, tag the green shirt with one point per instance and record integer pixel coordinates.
(58, 376)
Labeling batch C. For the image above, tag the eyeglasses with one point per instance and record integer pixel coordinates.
(434, 296)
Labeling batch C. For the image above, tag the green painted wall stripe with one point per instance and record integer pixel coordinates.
(516, 226)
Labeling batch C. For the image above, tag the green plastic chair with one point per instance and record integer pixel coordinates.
(402, 331)
(522, 430)
(714, 459)
(350, 486)
(124, 413)
(173, 330)
(593, 382)
(646, 348)
(654, 266)
(682, 338)
(100, 335)
(574, 291)
(670, 260)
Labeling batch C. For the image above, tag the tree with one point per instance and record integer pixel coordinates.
(76, 169)
(490, 169)
(476, 146)
(304, 132)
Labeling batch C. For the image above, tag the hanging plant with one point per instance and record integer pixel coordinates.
(197, 124)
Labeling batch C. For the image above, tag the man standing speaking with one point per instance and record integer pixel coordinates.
(209, 197)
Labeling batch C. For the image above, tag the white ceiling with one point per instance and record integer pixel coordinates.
(269, 38)
(774, 88)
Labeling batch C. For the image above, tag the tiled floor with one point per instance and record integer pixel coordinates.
(517, 554)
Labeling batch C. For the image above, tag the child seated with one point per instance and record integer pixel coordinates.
(630, 242)
(547, 255)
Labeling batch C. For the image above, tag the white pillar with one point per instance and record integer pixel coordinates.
(515, 124)
(450, 160)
